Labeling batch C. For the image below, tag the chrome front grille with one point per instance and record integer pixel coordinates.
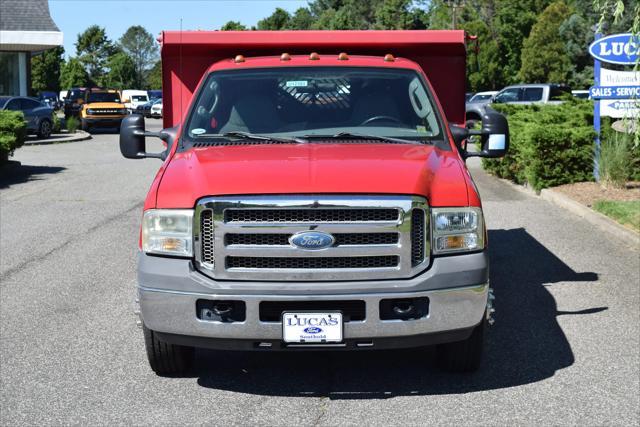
(248, 238)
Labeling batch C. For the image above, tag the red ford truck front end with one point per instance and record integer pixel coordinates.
(313, 195)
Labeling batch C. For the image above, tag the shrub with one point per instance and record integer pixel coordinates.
(13, 131)
(549, 145)
(615, 160)
(56, 123)
(72, 124)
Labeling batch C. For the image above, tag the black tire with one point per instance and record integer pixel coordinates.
(44, 129)
(167, 359)
(463, 356)
(85, 126)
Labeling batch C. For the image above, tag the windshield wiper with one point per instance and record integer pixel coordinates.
(258, 137)
(352, 135)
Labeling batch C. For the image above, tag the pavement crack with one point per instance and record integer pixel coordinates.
(39, 258)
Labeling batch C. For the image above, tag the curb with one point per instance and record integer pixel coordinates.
(596, 218)
(78, 136)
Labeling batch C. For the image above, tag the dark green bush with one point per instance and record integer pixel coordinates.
(72, 124)
(13, 131)
(550, 144)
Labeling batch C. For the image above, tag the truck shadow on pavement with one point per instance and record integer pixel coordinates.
(14, 173)
(525, 345)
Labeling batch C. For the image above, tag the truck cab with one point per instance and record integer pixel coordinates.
(314, 200)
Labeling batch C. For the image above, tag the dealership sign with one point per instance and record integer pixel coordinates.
(616, 49)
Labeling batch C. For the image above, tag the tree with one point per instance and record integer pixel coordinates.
(141, 47)
(73, 74)
(233, 26)
(45, 70)
(122, 72)
(93, 50)
(544, 56)
(302, 19)
(278, 20)
(154, 78)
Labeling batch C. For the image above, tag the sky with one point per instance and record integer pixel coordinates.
(74, 16)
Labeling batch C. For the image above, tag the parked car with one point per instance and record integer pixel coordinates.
(580, 93)
(482, 97)
(73, 102)
(154, 94)
(156, 109)
(62, 96)
(50, 99)
(542, 93)
(39, 117)
(468, 96)
(133, 98)
(315, 201)
(471, 106)
(145, 109)
(102, 108)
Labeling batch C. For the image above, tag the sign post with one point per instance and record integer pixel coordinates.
(622, 87)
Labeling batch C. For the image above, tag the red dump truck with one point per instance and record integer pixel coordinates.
(313, 195)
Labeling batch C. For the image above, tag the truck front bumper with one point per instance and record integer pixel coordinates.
(456, 288)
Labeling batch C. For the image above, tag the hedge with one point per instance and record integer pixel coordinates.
(550, 144)
(13, 131)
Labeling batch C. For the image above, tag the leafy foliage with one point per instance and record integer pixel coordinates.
(550, 144)
(154, 78)
(140, 46)
(233, 26)
(72, 124)
(122, 72)
(73, 74)
(93, 50)
(544, 55)
(626, 213)
(13, 131)
(45, 70)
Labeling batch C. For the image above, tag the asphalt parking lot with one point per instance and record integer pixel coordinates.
(565, 348)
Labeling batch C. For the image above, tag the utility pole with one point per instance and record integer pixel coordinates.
(455, 5)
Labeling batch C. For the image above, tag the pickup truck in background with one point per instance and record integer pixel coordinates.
(313, 195)
(536, 93)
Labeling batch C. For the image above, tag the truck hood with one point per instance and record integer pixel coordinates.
(313, 169)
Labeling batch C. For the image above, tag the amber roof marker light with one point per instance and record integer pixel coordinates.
(343, 56)
(389, 58)
(238, 58)
(285, 57)
(314, 56)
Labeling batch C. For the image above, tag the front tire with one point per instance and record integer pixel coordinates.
(85, 126)
(463, 356)
(44, 129)
(167, 359)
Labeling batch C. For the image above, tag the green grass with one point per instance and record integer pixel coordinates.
(626, 213)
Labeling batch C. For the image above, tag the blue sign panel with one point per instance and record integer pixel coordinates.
(614, 92)
(616, 49)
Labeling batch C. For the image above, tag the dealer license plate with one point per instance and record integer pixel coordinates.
(312, 327)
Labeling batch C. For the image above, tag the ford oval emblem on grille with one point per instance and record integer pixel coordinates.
(312, 240)
(312, 330)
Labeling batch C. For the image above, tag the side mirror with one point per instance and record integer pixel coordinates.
(132, 138)
(494, 136)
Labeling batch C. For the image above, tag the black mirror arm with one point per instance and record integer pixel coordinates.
(162, 155)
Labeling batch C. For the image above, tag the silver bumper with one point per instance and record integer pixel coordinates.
(449, 309)
(457, 289)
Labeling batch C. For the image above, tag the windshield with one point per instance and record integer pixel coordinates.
(304, 101)
(75, 94)
(139, 98)
(103, 97)
(479, 97)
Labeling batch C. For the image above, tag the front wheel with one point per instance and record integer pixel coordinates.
(85, 126)
(44, 130)
(463, 356)
(164, 358)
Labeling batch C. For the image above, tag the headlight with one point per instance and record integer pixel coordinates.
(168, 232)
(124, 111)
(457, 230)
(89, 111)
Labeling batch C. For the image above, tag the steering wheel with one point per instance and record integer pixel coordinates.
(376, 118)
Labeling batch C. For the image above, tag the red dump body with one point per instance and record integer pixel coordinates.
(187, 55)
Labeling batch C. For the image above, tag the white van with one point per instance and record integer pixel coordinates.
(133, 98)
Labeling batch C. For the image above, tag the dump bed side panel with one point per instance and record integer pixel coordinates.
(186, 56)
